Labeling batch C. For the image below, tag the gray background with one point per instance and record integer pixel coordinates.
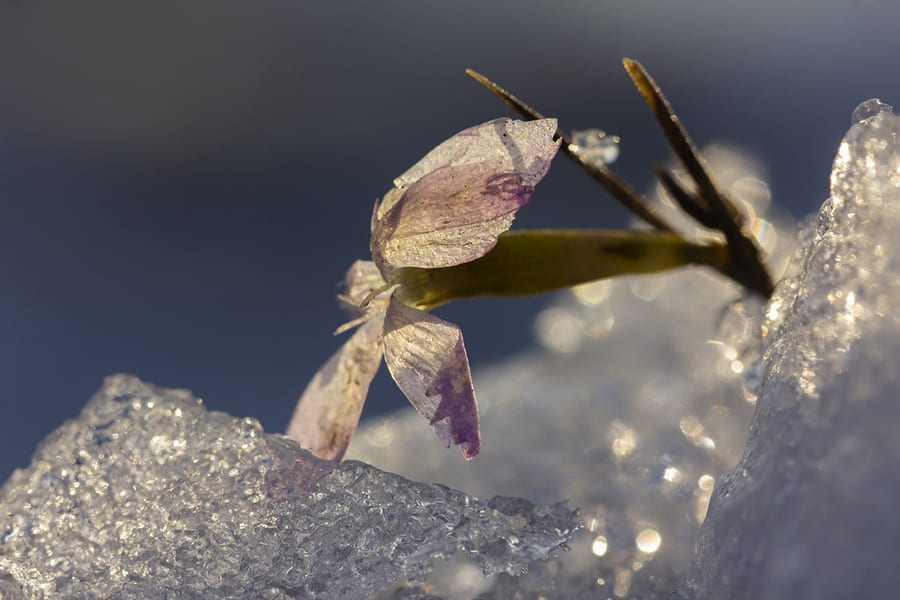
(182, 185)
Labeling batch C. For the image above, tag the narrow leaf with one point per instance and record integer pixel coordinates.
(688, 201)
(681, 144)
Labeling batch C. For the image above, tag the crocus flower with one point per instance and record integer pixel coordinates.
(447, 210)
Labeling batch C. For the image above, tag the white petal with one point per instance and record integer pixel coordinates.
(328, 411)
(427, 358)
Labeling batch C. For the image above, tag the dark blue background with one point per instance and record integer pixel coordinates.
(182, 186)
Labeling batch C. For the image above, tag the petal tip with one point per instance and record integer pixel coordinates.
(470, 450)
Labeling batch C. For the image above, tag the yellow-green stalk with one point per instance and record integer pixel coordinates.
(534, 261)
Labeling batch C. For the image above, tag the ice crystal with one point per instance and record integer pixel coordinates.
(148, 495)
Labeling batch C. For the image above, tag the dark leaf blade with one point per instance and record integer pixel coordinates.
(682, 146)
(689, 203)
(746, 267)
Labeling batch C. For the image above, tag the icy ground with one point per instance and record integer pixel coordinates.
(635, 409)
(148, 495)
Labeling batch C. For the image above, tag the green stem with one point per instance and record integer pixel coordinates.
(536, 261)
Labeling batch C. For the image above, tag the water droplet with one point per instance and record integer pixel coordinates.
(624, 439)
(558, 329)
(868, 109)
(593, 293)
(672, 475)
(648, 541)
(754, 192)
(691, 427)
(623, 582)
(599, 546)
(595, 146)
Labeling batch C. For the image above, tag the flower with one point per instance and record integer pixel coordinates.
(446, 210)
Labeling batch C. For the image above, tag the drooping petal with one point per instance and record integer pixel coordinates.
(328, 411)
(427, 358)
(462, 195)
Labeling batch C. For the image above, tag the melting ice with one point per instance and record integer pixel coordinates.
(810, 512)
(636, 408)
(147, 495)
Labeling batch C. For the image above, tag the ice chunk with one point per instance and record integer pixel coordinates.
(636, 405)
(148, 495)
(810, 512)
(868, 109)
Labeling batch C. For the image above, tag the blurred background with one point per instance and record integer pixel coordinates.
(183, 185)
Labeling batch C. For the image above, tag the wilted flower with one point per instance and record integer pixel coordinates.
(446, 210)
(441, 234)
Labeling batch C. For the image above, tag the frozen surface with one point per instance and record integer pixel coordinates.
(633, 407)
(811, 511)
(148, 495)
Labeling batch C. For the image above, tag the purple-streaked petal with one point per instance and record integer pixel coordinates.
(427, 358)
(524, 147)
(382, 206)
(328, 411)
(449, 208)
(451, 216)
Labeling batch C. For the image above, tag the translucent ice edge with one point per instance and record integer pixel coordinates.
(148, 495)
(810, 512)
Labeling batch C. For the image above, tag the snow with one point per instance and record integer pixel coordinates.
(649, 400)
(149, 495)
(810, 510)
